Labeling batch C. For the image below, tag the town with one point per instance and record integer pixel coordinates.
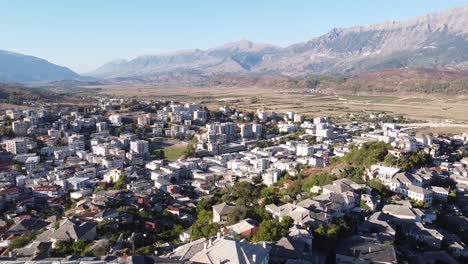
(121, 179)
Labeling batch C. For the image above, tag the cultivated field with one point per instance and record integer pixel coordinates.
(435, 109)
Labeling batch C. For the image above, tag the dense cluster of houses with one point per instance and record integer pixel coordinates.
(52, 158)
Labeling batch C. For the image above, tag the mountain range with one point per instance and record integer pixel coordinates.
(19, 68)
(437, 41)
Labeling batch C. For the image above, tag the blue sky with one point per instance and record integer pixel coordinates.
(85, 34)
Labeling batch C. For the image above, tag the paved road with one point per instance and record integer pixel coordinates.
(431, 124)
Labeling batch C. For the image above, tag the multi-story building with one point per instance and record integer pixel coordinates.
(418, 194)
(144, 120)
(101, 127)
(17, 146)
(257, 130)
(246, 130)
(54, 133)
(200, 115)
(115, 119)
(139, 146)
(304, 150)
(20, 128)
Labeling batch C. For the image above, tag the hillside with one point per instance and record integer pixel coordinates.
(19, 68)
(389, 81)
(438, 41)
(17, 94)
(406, 81)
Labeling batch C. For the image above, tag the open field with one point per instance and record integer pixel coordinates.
(176, 151)
(424, 107)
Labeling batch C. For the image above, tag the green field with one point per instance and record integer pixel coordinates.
(174, 152)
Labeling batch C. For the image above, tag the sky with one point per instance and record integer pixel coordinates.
(85, 34)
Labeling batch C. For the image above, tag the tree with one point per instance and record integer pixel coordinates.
(270, 195)
(63, 248)
(18, 167)
(244, 193)
(420, 204)
(364, 206)
(121, 183)
(21, 241)
(295, 188)
(368, 154)
(6, 132)
(415, 160)
(237, 214)
(158, 154)
(379, 187)
(189, 151)
(79, 247)
(270, 230)
(356, 174)
(390, 160)
(204, 226)
(257, 179)
(316, 180)
(262, 144)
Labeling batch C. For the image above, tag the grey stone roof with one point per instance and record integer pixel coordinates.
(419, 190)
(232, 251)
(68, 230)
(367, 249)
(399, 211)
(223, 208)
(187, 251)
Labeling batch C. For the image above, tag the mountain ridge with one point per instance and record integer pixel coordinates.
(437, 40)
(20, 68)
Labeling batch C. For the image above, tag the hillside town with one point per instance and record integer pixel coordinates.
(135, 181)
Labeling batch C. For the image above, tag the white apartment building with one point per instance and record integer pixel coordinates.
(139, 146)
(17, 146)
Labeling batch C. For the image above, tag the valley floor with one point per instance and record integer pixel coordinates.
(302, 101)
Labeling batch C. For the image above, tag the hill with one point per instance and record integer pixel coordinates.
(384, 82)
(16, 94)
(19, 68)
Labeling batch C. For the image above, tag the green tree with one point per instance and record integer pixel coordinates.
(364, 206)
(244, 193)
(379, 187)
(420, 204)
(368, 154)
(21, 241)
(158, 154)
(257, 180)
(6, 132)
(237, 214)
(189, 151)
(204, 226)
(270, 230)
(63, 248)
(79, 247)
(316, 180)
(18, 167)
(390, 160)
(121, 183)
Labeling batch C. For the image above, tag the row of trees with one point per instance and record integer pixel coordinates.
(416, 159)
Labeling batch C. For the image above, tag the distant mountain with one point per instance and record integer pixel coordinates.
(19, 68)
(237, 57)
(438, 40)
